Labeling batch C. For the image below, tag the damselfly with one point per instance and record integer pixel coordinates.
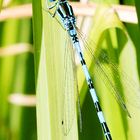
(67, 19)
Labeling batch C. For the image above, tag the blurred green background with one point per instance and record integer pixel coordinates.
(26, 41)
(17, 121)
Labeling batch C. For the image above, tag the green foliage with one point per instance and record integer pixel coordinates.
(137, 4)
(16, 76)
(56, 82)
(106, 1)
(106, 28)
(110, 36)
(1, 1)
(49, 59)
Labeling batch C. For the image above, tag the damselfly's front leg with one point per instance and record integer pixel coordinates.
(51, 7)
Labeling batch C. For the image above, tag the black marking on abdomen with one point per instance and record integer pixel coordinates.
(81, 55)
(83, 62)
(82, 59)
(108, 136)
(90, 84)
(98, 107)
(75, 38)
(105, 128)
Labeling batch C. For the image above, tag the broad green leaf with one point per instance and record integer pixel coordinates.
(134, 32)
(49, 52)
(106, 24)
(49, 71)
(1, 1)
(137, 4)
(106, 1)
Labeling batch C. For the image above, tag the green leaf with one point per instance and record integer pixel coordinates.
(109, 35)
(106, 24)
(1, 1)
(134, 33)
(106, 1)
(49, 58)
(16, 76)
(137, 4)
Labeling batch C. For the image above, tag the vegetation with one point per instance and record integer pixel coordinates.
(115, 43)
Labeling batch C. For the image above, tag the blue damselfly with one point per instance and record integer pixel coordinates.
(68, 21)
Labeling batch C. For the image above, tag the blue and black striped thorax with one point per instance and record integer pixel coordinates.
(68, 19)
(66, 14)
